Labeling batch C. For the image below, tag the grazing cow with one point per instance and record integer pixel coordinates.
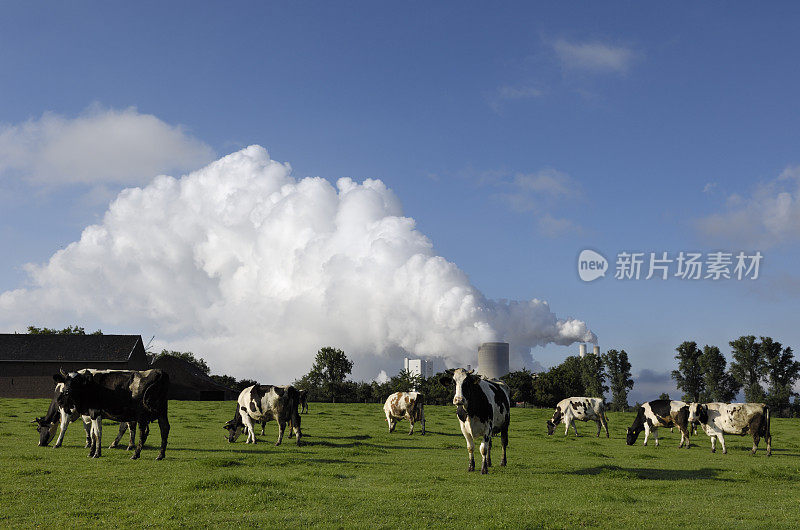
(483, 408)
(136, 397)
(581, 409)
(58, 415)
(303, 401)
(660, 413)
(263, 403)
(733, 418)
(408, 405)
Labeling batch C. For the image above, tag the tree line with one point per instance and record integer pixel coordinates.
(763, 369)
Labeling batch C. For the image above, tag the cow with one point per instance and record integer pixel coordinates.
(660, 413)
(733, 418)
(58, 415)
(133, 396)
(303, 394)
(408, 405)
(303, 401)
(581, 409)
(258, 403)
(483, 409)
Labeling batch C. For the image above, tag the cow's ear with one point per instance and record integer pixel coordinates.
(58, 378)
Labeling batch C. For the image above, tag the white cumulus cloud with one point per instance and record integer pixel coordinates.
(98, 146)
(255, 270)
(769, 216)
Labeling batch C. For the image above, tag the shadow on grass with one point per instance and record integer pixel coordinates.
(356, 444)
(613, 471)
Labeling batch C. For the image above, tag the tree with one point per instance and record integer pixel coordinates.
(663, 395)
(689, 375)
(187, 356)
(559, 382)
(435, 392)
(719, 384)
(748, 366)
(593, 375)
(619, 377)
(331, 367)
(782, 371)
(520, 384)
(227, 381)
(405, 381)
(69, 330)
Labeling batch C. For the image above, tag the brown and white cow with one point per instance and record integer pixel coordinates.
(581, 409)
(408, 405)
(733, 418)
(259, 403)
(660, 413)
(483, 408)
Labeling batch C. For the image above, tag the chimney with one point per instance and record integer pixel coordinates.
(582, 350)
(596, 350)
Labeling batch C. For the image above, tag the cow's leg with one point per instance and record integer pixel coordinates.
(295, 426)
(123, 426)
(470, 446)
(87, 426)
(713, 444)
(646, 432)
(391, 421)
(504, 443)
(574, 427)
(281, 428)
(485, 444)
(132, 440)
(63, 423)
(423, 423)
(605, 424)
(411, 421)
(248, 424)
(768, 439)
(756, 439)
(144, 430)
(163, 426)
(654, 430)
(263, 426)
(599, 427)
(684, 438)
(97, 437)
(722, 441)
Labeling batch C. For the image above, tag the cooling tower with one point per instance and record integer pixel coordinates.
(493, 359)
(596, 350)
(582, 350)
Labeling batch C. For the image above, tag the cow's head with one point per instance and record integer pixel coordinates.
(698, 412)
(234, 428)
(464, 382)
(75, 388)
(630, 436)
(551, 423)
(47, 429)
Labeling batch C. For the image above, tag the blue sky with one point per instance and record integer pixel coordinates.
(515, 135)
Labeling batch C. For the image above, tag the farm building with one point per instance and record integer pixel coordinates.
(28, 362)
(188, 382)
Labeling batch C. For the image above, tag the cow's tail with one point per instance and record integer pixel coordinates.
(155, 395)
(765, 432)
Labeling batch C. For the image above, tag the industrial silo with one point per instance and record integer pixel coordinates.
(493, 359)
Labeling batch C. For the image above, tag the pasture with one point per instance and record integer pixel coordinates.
(350, 472)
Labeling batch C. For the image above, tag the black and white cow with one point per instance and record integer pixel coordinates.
(408, 405)
(57, 415)
(733, 418)
(259, 403)
(136, 397)
(483, 408)
(660, 413)
(581, 409)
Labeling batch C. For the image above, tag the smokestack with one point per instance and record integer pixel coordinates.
(582, 350)
(493, 359)
(596, 350)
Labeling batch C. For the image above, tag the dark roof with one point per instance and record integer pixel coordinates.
(67, 348)
(185, 373)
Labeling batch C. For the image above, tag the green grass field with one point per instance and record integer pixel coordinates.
(351, 472)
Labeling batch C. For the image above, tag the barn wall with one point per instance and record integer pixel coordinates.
(35, 379)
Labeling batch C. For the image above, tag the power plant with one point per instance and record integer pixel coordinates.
(493, 359)
(582, 350)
